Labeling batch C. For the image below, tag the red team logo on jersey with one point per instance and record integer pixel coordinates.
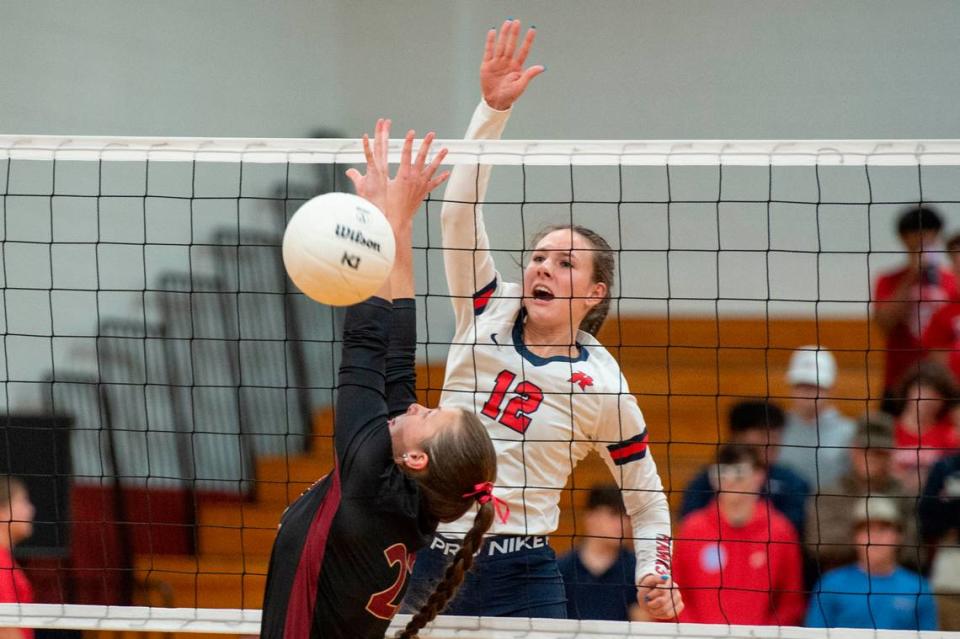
(582, 379)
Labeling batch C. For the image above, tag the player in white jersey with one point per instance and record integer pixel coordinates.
(547, 392)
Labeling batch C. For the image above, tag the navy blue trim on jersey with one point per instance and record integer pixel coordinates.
(535, 359)
(629, 449)
(482, 297)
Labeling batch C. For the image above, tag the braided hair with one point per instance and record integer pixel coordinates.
(604, 268)
(461, 458)
(453, 577)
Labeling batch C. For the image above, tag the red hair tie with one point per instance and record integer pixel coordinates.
(483, 493)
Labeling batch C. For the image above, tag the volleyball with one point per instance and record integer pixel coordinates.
(338, 249)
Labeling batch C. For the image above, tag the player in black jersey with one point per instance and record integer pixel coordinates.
(345, 548)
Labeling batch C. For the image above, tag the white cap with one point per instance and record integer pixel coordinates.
(876, 508)
(813, 366)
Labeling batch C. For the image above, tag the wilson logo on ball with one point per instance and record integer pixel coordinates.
(356, 236)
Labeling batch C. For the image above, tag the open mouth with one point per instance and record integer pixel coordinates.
(542, 293)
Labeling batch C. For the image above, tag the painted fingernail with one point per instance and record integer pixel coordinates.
(509, 19)
(664, 577)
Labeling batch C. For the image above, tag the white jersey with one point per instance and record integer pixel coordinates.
(543, 414)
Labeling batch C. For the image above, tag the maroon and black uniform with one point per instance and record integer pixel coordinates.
(345, 548)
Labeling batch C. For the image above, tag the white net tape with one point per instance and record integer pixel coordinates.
(504, 152)
(247, 622)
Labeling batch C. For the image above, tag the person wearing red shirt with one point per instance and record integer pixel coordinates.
(16, 524)
(925, 429)
(906, 298)
(941, 338)
(737, 560)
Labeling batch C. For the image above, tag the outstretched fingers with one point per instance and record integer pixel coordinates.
(513, 34)
(381, 143)
(407, 152)
(425, 149)
(372, 184)
(433, 182)
(525, 46)
(367, 151)
(531, 73)
(356, 178)
(502, 76)
(354, 175)
(490, 44)
(502, 39)
(437, 181)
(425, 173)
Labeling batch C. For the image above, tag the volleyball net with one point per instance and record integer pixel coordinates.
(168, 392)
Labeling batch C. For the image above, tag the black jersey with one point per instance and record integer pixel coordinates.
(345, 548)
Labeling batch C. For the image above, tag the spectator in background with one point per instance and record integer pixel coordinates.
(905, 299)
(875, 592)
(599, 573)
(939, 514)
(16, 524)
(925, 429)
(941, 339)
(757, 423)
(832, 511)
(738, 561)
(816, 435)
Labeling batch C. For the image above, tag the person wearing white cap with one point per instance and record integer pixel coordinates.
(875, 592)
(817, 435)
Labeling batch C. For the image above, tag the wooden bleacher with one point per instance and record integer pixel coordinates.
(685, 373)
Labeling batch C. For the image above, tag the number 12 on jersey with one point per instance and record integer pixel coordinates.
(526, 399)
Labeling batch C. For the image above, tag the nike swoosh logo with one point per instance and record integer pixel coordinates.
(493, 338)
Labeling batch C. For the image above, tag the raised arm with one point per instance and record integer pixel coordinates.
(377, 368)
(469, 265)
(406, 191)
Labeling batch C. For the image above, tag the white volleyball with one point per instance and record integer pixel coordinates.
(338, 249)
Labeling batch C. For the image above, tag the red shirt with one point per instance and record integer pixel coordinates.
(14, 587)
(752, 574)
(903, 342)
(915, 454)
(943, 334)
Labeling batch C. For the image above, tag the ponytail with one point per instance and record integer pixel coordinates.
(453, 577)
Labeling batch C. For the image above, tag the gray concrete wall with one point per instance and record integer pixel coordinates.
(618, 69)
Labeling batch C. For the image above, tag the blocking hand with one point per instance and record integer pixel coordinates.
(502, 76)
